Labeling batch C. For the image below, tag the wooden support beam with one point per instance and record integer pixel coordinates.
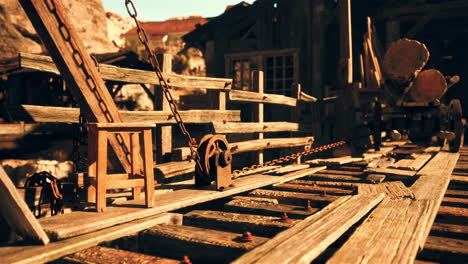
(254, 145)
(346, 43)
(258, 113)
(16, 212)
(231, 127)
(254, 97)
(45, 114)
(163, 137)
(76, 67)
(114, 73)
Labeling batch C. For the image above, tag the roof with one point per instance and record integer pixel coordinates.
(159, 29)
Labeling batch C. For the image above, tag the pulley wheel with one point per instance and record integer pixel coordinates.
(456, 125)
(210, 146)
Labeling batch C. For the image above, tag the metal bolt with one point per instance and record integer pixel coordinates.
(308, 208)
(247, 237)
(285, 218)
(186, 260)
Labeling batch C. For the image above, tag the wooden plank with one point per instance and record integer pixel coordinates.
(267, 208)
(393, 190)
(395, 172)
(200, 244)
(234, 222)
(294, 198)
(70, 115)
(252, 97)
(253, 145)
(16, 212)
(383, 162)
(59, 36)
(445, 250)
(258, 111)
(104, 255)
(415, 163)
(173, 169)
(163, 137)
(79, 222)
(55, 250)
(226, 128)
(114, 73)
(308, 239)
(433, 182)
(391, 234)
(349, 159)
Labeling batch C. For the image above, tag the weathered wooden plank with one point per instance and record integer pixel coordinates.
(252, 97)
(295, 198)
(104, 255)
(79, 222)
(348, 159)
(309, 238)
(290, 168)
(16, 213)
(200, 244)
(71, 115)
(77, 68)
(393, 190)
(226, 128)
(253, 145)
(267, 208)
(449, 230)
(395, 172)
(383, 162)
(55, 250)
(415, 163)
(258, 225)
(323, 190)
(114, 73)
(446, 250)
(433, 182)
(391, 234)
(173, 169)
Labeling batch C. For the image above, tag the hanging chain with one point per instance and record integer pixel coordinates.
(80, 134)
(288, 158)
(191, 142)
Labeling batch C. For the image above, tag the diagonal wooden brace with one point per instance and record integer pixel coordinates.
(51, 22)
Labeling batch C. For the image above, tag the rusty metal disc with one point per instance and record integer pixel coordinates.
(210, 145)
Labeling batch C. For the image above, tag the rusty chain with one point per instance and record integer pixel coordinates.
(191, 142)
(288, 158)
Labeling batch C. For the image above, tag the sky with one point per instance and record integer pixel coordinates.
(159, 10)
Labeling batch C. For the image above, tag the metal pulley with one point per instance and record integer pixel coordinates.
(215, 159)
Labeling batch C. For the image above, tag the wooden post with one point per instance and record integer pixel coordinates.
(258, 110)
(346, 47)
(51, 22)
(163, 136)
(296, 112)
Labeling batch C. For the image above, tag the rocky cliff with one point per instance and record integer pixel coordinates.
(99, 30)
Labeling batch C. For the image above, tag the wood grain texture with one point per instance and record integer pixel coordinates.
(231, 127)
(415, 163)
(80, 222)
(37, 113)
(252, 97)
(59, 36)
(114, 73)
(309, 238)
(16, 212)
(391, 234)
(55, 250)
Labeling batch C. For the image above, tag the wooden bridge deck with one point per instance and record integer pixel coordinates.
(389, 222)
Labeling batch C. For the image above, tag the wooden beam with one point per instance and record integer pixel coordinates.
(308, 239)
(16, 212)
(35, 113)
(59, 36)
(346, 43)
(258, 111)
(114, 73)
(231, 127)
(253, 145)
(163, 137)
(55, 250)
(253, 97)
(80, 222)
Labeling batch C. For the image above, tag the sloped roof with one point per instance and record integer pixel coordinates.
(158, 29)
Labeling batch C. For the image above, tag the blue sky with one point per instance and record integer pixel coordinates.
(157, 10)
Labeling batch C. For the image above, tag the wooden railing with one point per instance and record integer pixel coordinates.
(220, 119)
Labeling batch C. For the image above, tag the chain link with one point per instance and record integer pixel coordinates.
(288, 158)
(191, 142)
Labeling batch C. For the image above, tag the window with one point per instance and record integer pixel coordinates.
(279, 74)
(280, 70)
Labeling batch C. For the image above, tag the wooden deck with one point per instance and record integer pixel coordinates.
(395, 215)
